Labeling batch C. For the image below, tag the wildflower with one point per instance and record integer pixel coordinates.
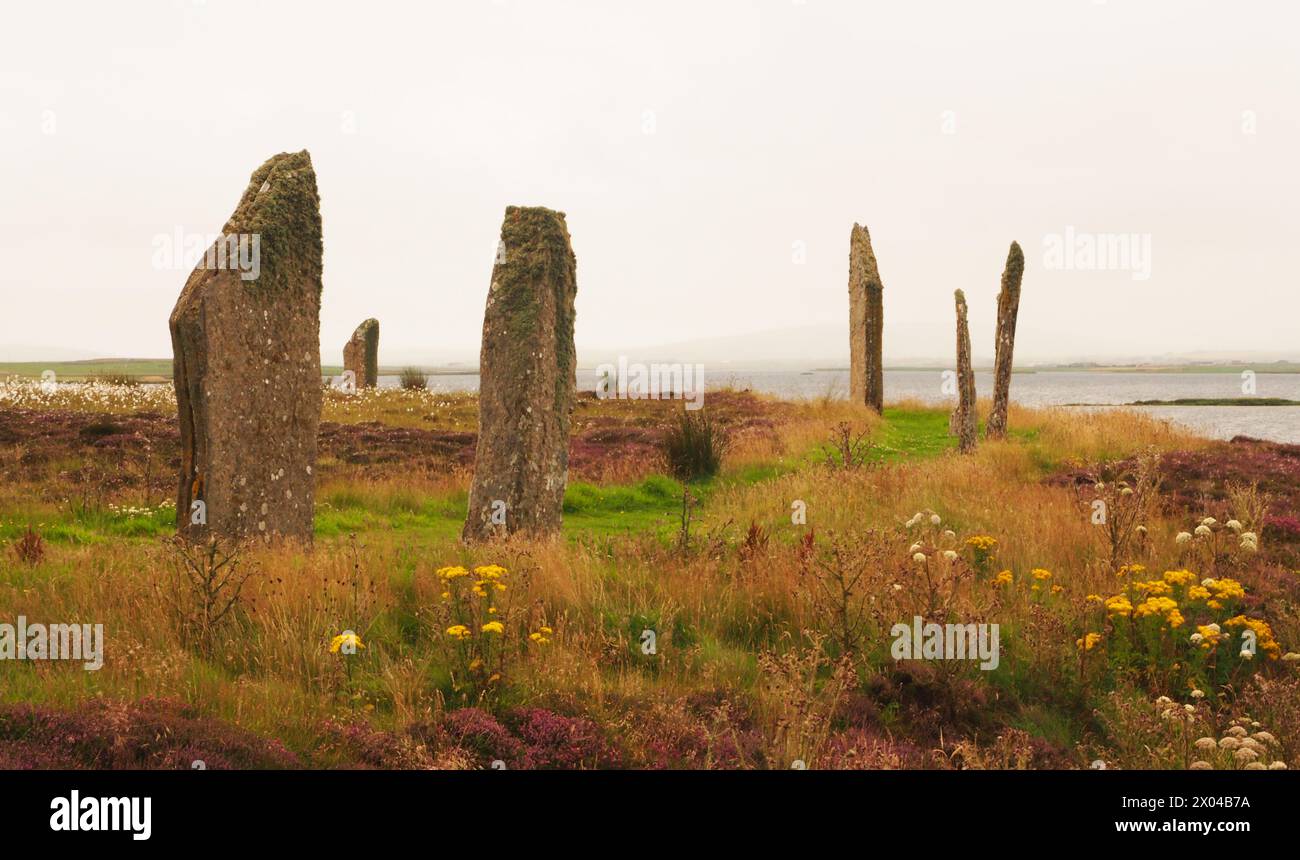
(935, 520)
(490, 571)
(1200, 765)
(1118, 605)
(1236, 731)
(1127, 491)
(447, 574)
(949, 534)
(1179, 577)
(1245, 754)
(919, 558)
(983, 543)
(1004, 577)
(914, 548)
(1227, 589)
(539, 638)
(1203, 531)
(1291, 657)
(1088, 642)
(1142, 530)
(1234, 525)
(1277, 765)
(1255, 765)
(949, 555)
(345, 639)
(1041, 573)
(458, 631)
(1094, 598)
(493, 627)
(1229, 743)
(1198, 694)
(1198, 592)
(1206, 744)
(1209, 521)
(548, 631)
(1183, 538)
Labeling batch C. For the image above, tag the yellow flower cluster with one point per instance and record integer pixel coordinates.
(1088, 642)
(447, 574)
(1155, 587)
(1003, 578)
(1119, 605)
(342, 639)
(983, 543)
(489, 577)
(1225, 589)
(542, 636)
(458, 631)
(1179, 577)
(494, 627)
(1207, 636)
(1264, 640)
(1040, 573)
(1164, 607)
(1131, 570)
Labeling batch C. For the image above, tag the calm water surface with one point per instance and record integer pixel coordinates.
(1080, 389)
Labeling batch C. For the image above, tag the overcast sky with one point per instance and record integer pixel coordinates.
(711, 156)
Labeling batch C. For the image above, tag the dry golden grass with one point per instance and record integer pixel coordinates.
(730, 619)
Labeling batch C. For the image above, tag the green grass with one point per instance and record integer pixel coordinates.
(915, 433)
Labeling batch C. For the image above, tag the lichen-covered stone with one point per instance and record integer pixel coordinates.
(246, 368)
(1008, 309)
(866, 323)
(361, 354)
(964, 417)
(527, 380)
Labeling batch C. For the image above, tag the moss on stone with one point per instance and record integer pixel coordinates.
(282, 206)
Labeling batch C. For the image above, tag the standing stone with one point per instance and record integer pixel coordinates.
(246, 365)
(964, 417)
(527, 380)
(361, 354)
(1008, 308)
(866, 322)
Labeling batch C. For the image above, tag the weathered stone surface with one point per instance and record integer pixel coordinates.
(527, 380)
(964, 417)
(1008, 308)
(866, 322)
(247, 367)
(361, 354)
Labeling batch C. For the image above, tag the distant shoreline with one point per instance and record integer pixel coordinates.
(160, 370)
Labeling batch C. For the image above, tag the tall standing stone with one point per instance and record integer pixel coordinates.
(361, 354)
(1008, 308)
(527, 380)
(866, 322)
(246, 365)
(964, 417)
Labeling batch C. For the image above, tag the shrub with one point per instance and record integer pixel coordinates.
(30, 548)
(694, 446)
(413, 379)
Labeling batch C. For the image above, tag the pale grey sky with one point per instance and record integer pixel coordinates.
(692, 144)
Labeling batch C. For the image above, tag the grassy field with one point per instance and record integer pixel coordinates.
(769, 591)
